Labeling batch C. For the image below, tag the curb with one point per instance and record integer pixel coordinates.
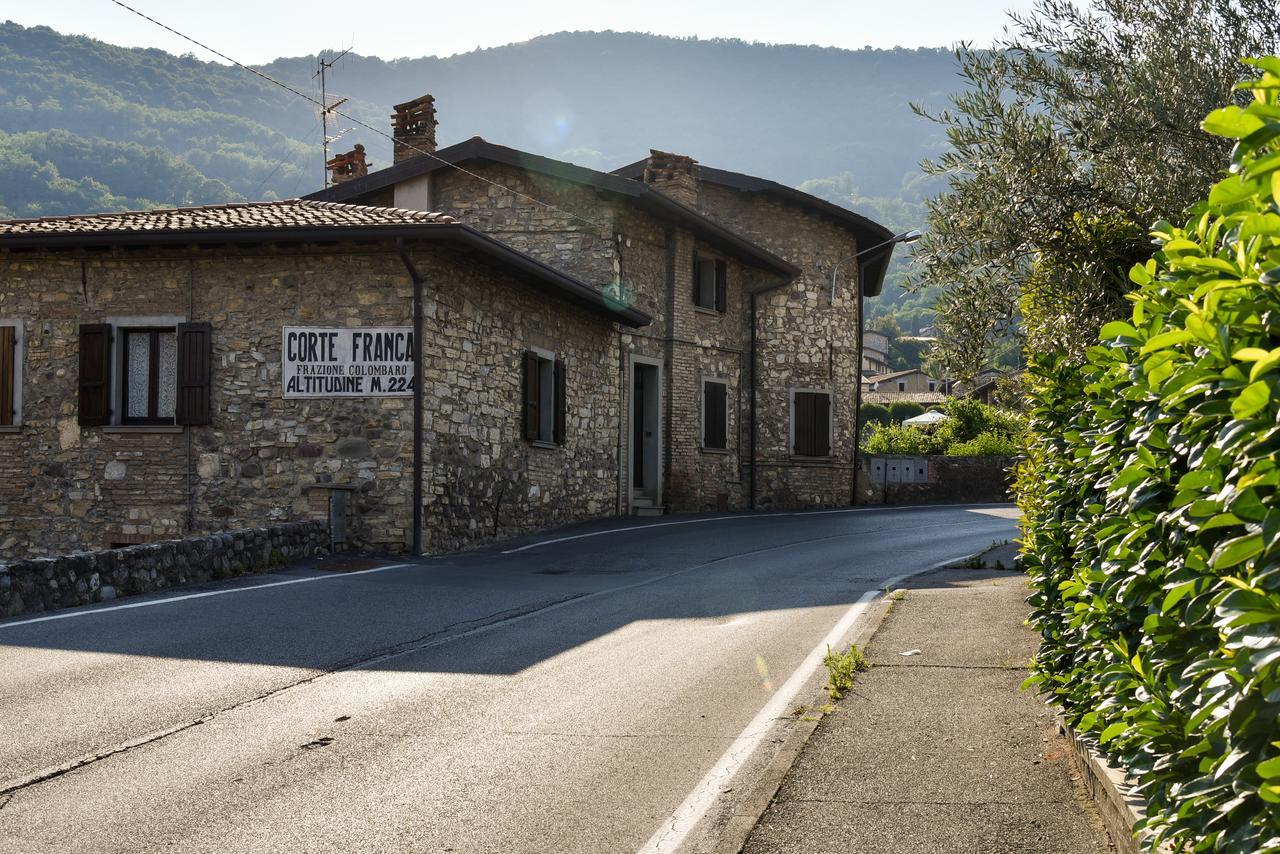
(747, 814)
(749, 811)
(1110, 789)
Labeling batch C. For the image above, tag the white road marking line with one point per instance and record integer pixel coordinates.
(89, 612)
(734, 517)
(168, 600)
(681, 823)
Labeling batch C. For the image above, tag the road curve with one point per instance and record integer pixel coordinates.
(562, 694)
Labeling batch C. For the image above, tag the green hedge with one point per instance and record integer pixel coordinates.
(874, 413)
(1152, 519)
(901, 410)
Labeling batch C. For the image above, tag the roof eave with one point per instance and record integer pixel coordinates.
(644, 195)
(576, 291)
(867, 230)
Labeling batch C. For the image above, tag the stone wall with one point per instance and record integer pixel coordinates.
(806, 340)
(606, 240)
(268, 460)
(945, 480)
(46, 584)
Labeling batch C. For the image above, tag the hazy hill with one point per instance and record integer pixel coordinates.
(87, 126)
(603, 99)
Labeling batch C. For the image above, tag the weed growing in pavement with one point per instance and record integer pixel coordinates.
(841, 667)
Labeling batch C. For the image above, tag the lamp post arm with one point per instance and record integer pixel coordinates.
(905, 237)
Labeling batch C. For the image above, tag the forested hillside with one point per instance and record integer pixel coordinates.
(87, 126)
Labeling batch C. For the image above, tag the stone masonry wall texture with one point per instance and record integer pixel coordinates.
(266, 460)
(45, 584)
(605, 240)
(806, 340)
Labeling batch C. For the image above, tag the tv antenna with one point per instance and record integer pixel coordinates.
(322, 67)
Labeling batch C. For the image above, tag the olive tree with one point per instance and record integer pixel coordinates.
(1073, 134)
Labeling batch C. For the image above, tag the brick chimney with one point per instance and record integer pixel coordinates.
(672, 175)
(348, 166)
(414, 124)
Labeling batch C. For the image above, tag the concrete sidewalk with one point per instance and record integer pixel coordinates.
(940, 750)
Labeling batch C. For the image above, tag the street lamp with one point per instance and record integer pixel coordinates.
(905, 237)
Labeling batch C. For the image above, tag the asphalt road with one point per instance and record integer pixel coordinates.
(581, 692)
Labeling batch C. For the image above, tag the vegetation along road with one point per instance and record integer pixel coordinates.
(600, 691)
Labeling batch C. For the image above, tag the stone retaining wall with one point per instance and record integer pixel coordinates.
(935, 480)
(49, 583)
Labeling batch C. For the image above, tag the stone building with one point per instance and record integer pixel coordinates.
(741, 391)
(177, 372)
(667, 337)
(875, 353)
(911, 385)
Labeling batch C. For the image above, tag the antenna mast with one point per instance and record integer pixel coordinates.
(322, 67)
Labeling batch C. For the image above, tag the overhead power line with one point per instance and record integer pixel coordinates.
(324, 107)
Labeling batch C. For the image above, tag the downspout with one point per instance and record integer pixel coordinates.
(857, 399)
(751, 499)
(416, 548)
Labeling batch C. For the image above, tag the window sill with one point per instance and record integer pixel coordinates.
(546, 446)
(13, 428)
(799, 459)
(724, 452)
(710, 312)
(143, 428)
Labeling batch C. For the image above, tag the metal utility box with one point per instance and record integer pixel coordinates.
(338, 501)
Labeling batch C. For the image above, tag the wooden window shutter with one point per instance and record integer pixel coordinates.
(697, 279)
(714, 431)
(558, 433)
(722, 286)
(95, 374)
(8, 361)
(531, 394)
(722, 414)
(803, 424)
(821, 425)
(195, 374)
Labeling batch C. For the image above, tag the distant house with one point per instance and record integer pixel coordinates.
(875, 354)
(985, 384)
(910, 385)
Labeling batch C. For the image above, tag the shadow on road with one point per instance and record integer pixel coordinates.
(488, 612)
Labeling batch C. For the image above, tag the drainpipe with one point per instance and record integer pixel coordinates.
(416, 549)
(857, 399)
(751, 495)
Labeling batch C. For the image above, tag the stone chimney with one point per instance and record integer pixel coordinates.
(413, 125)
(348, 166)
(672, 175)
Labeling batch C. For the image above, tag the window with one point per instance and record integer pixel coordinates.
(715, 415)
(811, 423)
(544, 397)
(932, 385)
(10, 373)
(710, 281)
(902, 385)
(145, 373)
(149, 382)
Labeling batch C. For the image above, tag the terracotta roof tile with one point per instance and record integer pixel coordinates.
(879, 378)
(291, 213)
(888, 397)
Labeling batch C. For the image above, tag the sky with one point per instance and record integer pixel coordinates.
(257, 31)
